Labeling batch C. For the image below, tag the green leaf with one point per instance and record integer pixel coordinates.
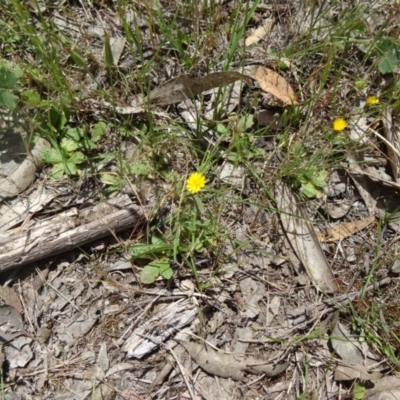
(221, 129)
(273, 52)
(98, 131)
(58, 119)
(149, 274)
(87, 143)
(109, 179)
(17, 71)
(157, 240)
(385, 46)
(167, 272)
(320, 179)
(69, 145)
(77, 158)
(388, 64)
(108, 55)
(245, 123)
(199, 247)
(70, 168)
(80, 61)
(163, 267)
(8, 100)
(9, 78)
(52, 156)
(310, 190)
(57, 171)
(139, 169)
(199, 204)
(141, 250)
(31, 98)
(358, 391)
(75, 133)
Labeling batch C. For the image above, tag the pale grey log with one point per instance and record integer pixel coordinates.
(66, 231)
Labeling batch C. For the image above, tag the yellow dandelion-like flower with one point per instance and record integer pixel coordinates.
(371, 100)
(195, 182)
(339, 124)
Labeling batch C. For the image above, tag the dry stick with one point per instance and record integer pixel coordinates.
(137, 321)
(330, 305)
(64, 297)
(152, 301)
(181, 369)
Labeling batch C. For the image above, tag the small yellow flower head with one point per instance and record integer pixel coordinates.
(371, 100)
(195, 182)
(339, 124)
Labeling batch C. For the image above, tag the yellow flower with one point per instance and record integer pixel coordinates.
(371, 100)
(195, 182)
(339, 124)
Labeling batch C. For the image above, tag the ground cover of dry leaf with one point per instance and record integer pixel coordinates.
(273, 274)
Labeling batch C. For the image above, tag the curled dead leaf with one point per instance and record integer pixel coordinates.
(230, 365)
(185, 86)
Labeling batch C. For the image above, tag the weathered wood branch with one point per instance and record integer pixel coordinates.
(66, 231)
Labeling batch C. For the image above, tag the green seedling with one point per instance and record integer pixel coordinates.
(68, 144)
(159, 266)
(312, 181)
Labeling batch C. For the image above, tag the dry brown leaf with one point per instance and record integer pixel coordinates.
(349, 347)
(259, 33)
(10, 322)
(271, 82)
(11, 298)
(184, 86)
(344, 230)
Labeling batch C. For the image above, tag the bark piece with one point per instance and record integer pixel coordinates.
(391, 130)
(303, 239)
(159, 328)
(15, 211)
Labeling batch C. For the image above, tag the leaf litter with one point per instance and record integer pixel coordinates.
(78, 330)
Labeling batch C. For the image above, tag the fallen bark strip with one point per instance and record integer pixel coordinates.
(67, 230)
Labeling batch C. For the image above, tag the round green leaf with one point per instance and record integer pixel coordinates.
(149, 274)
